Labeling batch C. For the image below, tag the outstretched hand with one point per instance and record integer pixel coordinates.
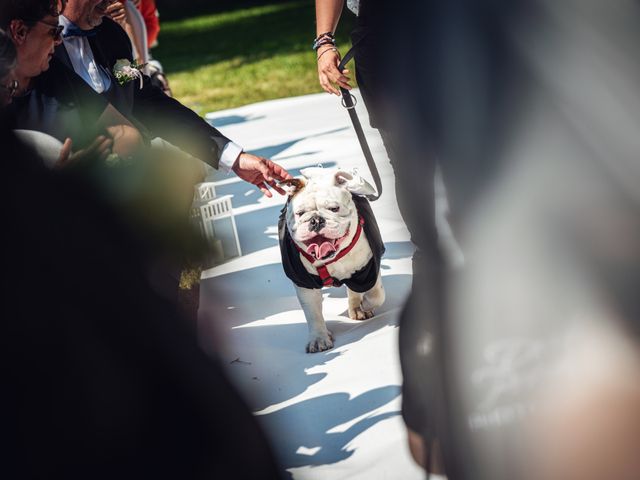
(100, 148)
(260, 172)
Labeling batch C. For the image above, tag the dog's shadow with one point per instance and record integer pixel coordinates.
(260, 334)
(252, 319)
(326, 430)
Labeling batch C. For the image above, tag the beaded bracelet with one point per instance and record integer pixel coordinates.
(323, 43)
(325, 34)
(332, 49)
(323, 39)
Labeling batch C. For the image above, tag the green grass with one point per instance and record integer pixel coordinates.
(234, 58)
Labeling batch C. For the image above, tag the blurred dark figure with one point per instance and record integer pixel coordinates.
(100, 378)
(532, 361)
(8, 84)
(414, 172)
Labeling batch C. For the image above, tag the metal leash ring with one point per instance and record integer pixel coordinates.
(354, 99)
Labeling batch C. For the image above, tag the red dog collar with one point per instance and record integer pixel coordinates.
(327, 280)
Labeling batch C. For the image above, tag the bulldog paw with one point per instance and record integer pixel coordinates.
(319, 342)
(359, 314)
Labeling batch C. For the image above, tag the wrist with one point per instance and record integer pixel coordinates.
(236, 162)
(323, 39)
(229, 159)
(325, 50)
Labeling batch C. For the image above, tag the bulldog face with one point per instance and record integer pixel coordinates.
(322, 217)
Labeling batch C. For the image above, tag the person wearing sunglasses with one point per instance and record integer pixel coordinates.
(33, 32)
(33, 27)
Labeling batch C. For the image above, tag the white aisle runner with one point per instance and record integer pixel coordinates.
(330, 415)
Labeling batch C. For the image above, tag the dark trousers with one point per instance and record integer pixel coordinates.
(414, 173)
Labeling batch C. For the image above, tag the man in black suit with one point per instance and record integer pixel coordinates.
(93, 44)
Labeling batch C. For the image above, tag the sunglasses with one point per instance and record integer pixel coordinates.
(11, 88)
(56, 30)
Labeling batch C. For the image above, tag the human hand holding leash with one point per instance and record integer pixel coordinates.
(328, 73)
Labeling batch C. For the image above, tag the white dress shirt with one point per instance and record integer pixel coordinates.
(82, 60)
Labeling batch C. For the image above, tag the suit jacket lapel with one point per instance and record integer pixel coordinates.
(61, 54)
(98, 53)
(104, 60)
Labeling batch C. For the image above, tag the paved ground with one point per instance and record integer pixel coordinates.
(334, 414)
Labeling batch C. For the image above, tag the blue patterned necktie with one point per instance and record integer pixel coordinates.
(77, 32)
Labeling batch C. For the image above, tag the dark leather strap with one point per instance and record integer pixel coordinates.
(347, 102)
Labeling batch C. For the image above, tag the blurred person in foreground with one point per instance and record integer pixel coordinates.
(100, 377)
(414, 172)
(532, 108)
(151, 191)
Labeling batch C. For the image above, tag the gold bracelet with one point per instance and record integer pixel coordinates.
(332, 49)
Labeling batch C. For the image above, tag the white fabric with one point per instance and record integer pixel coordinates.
(230, 153)
(139, 30)
(353, 5)
(46, 146)
(82, 60)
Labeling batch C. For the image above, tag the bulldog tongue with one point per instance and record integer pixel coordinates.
(322, 250)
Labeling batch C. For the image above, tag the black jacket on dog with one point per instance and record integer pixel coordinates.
(361, 281)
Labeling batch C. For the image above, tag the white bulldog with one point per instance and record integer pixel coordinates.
(328, 237)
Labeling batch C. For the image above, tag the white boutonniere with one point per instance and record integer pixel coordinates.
(126, 71)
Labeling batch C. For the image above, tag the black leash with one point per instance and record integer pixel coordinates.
(349, 104)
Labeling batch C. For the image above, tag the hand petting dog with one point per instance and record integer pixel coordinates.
(260, 172)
